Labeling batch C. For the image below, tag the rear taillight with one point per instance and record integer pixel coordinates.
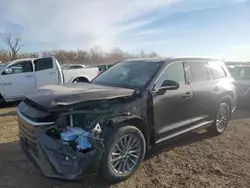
(234, 82)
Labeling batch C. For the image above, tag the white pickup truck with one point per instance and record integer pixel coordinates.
(19, 77)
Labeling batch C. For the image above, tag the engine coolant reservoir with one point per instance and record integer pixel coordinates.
(71, 133)
(78, 135)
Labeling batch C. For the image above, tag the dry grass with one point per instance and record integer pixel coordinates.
(194, 161)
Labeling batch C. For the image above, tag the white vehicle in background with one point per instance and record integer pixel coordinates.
(72, 66)
(19, 77)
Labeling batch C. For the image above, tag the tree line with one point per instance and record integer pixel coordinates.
(94, 55)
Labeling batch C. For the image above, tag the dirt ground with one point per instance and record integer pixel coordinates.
(194, 161)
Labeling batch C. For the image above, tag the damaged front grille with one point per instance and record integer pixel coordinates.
(27, 132)
(28, 136)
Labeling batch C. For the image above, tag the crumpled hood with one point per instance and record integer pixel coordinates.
(56, 95)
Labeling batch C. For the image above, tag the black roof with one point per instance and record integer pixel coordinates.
(192, 58)
(170, 59)
(104, 64)
(237, 63)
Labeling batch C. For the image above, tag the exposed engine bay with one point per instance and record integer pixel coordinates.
(82, 129)
(75, 137)
(71, 144)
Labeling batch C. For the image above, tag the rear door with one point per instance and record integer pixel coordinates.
(20, 81)
(205, 89)
(46, 72)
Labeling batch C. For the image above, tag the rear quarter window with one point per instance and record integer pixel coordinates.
(217, 70)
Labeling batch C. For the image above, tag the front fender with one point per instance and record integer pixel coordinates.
(121, 118)
(134, 120)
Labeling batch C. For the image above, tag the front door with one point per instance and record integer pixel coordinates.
(46, 72)
(172, 109)
(19, 80)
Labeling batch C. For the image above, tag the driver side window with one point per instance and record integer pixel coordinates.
(175, 72)
(20, 67)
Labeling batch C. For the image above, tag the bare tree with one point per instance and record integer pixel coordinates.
(96, 54)
(4, 57)
(142, 54)
(153, 54)
(13, 43)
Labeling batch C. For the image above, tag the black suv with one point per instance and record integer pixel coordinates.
(107, 125)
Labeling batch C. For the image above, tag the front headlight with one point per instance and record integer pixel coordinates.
(35, 114)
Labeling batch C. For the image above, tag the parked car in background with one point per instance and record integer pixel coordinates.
(22, 76)
(72, 66)
(107, 125)
(103, 67)
(241, 73)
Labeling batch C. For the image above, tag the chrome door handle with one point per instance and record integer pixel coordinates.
(216, 88)
(28, 76)
(52, 73)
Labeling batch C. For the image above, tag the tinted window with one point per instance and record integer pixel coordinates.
(198, 71)
(43, 64)
(240, 72)
(217, 70)
(128, 74)
(22, 67)
(175, 72)
(101, 67)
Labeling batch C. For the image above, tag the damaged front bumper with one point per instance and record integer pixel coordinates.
(54, 159)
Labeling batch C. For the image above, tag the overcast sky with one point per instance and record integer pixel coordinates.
(218, 28)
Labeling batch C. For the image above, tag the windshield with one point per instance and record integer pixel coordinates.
(128, 74)
(240, 72)
(3, 65)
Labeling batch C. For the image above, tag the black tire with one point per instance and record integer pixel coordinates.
(113, 139)
(2, 101)
(220, 123)
(80, 80)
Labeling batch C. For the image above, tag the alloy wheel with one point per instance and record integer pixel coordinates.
(125, 154)
(222, 119)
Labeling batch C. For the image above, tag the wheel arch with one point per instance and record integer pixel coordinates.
(136, 121)
(2, 99)
(228, 99)
(80, 77)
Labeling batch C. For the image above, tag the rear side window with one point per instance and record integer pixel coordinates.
(198, 71)
(217, 70)
(43, 64)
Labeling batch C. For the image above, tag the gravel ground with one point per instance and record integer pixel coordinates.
(194, 161)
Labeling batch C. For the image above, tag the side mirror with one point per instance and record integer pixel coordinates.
(168, 85)
(8, 71)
